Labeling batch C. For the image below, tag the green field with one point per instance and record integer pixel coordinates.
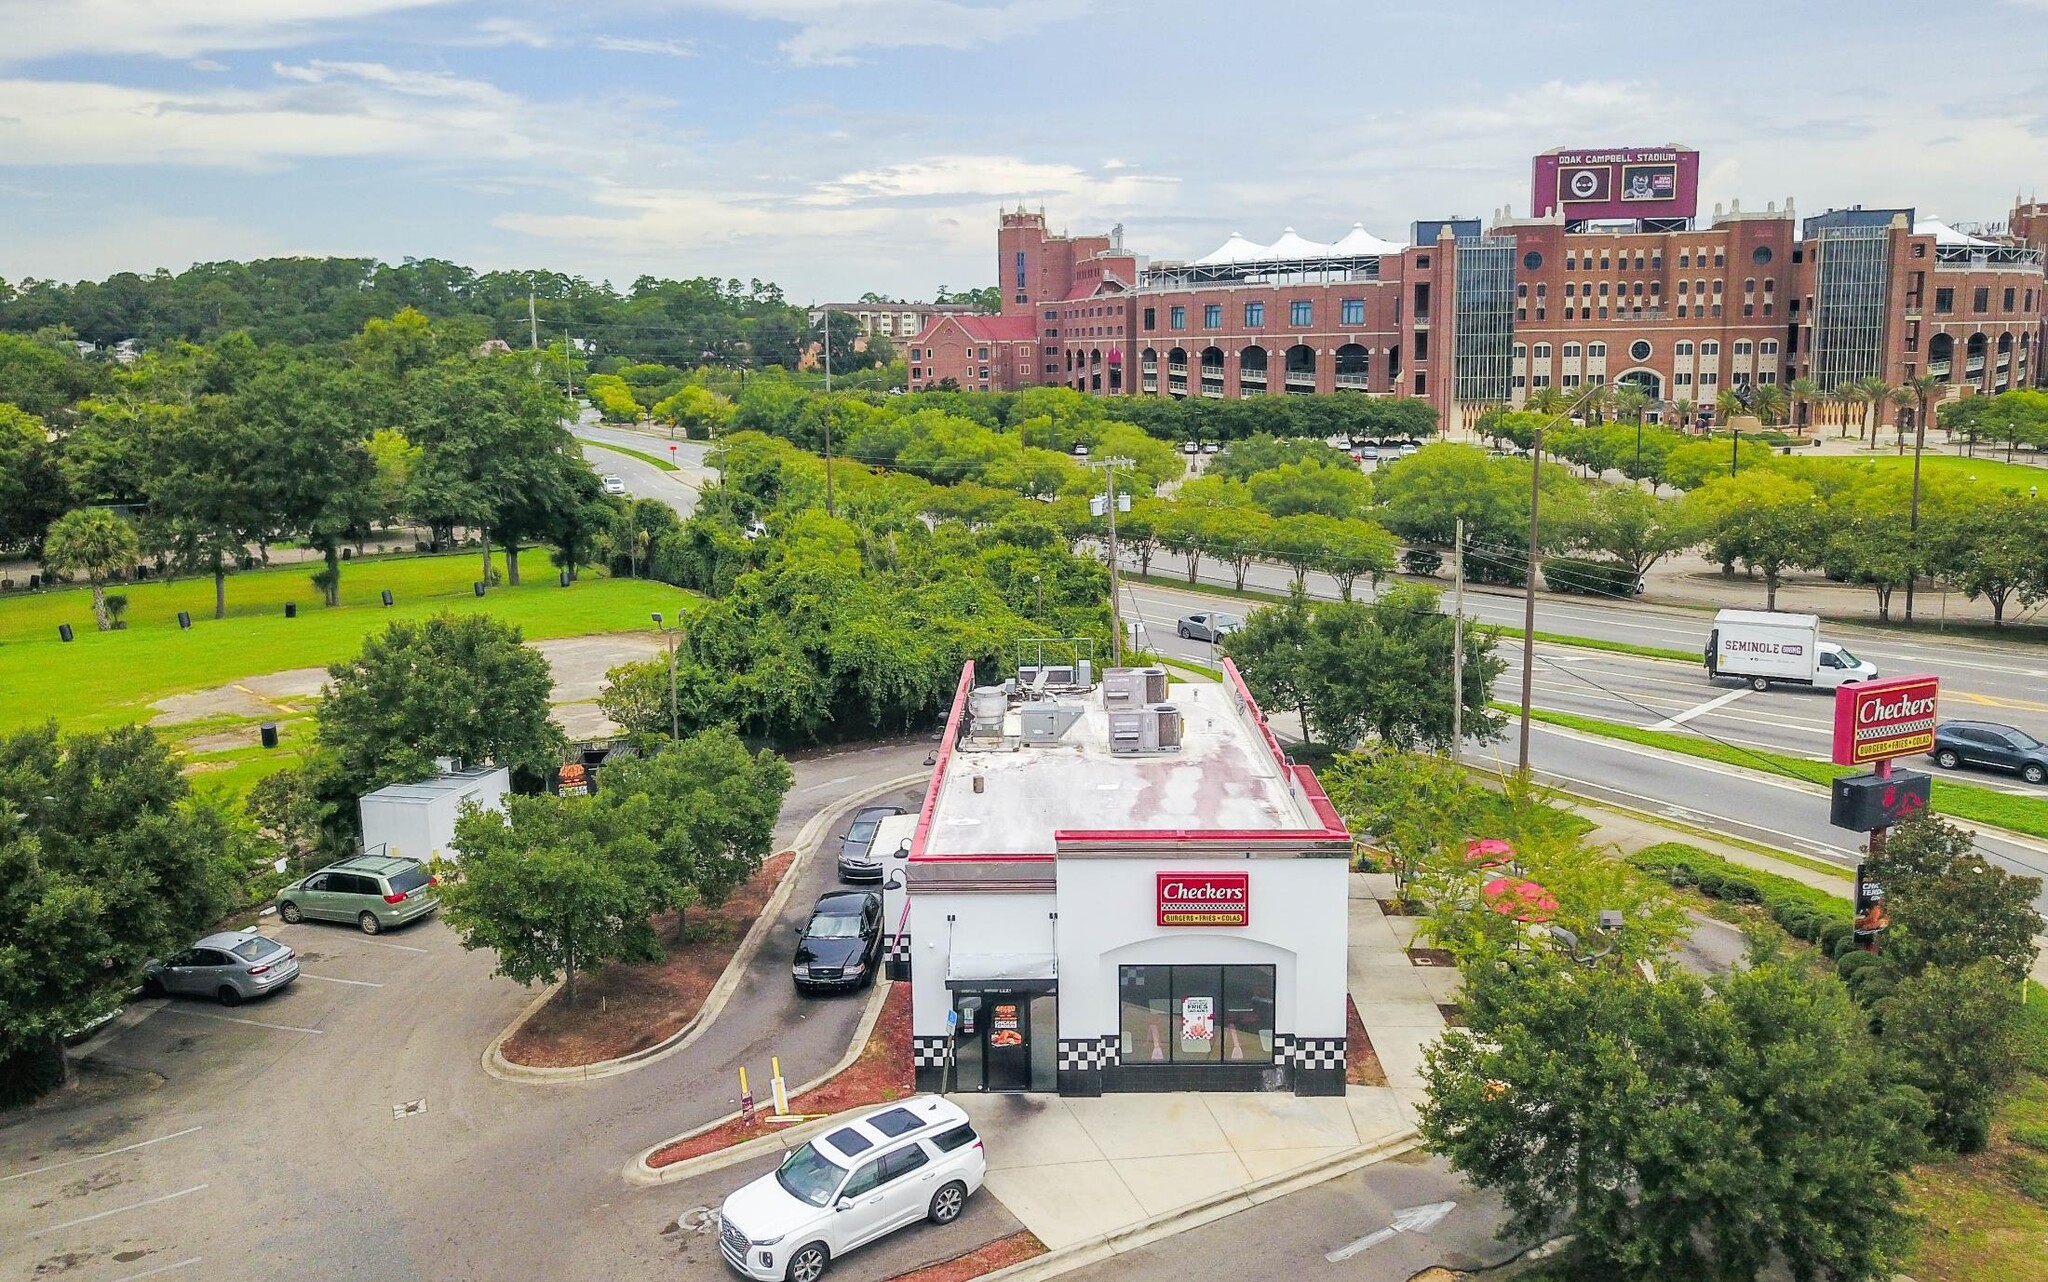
(1989, 471)
(104, 678)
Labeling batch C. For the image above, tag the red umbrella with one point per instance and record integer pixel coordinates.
(1515, 897)
(1488, 852)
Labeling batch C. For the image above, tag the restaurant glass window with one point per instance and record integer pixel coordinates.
(1196, 1014)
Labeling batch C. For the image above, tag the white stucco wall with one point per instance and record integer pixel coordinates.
(1298, 925)
(984, 923)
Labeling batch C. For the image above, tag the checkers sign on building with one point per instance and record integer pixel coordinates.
(1204, 898)
(1880, 720)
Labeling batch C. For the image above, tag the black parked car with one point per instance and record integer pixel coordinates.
(858, 858)
(1990, 746)
(841, 948)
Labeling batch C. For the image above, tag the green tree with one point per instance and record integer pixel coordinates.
(96, 543)
(1385, 669)
(1950, 907)
(1355, 550)
(1294, 489)
(460, 686)
(313, 474)
(33, 491)
(1766, 521)
(1954, 1034)
(1273, 651)
(105, 861)
(708, 806)
(1675, 1129)
(1632, 527)
(1991, 548)
(204, 510)
(553, 886)
(394, 459)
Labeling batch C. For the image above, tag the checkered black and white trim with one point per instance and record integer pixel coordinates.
(1319, 1054)
(1087, 1055)
(896, 950)
(928, 1052)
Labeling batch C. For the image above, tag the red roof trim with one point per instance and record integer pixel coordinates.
(945, 754)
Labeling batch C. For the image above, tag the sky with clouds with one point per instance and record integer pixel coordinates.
(838, 146)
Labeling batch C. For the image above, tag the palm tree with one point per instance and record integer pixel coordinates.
(1682, 410)
(1803, 391)
(99, 543)
(1875, 395)
(1547, 400)
(1847, 396)
(1902, 399)
(1727, 406)
(1596, 401)
(1767, 402)
(1629, 402)
(1925, 388)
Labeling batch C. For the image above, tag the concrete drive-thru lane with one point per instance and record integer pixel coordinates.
(1295, 1236)
(372, 1144)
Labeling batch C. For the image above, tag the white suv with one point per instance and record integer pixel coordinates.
(918, 1160)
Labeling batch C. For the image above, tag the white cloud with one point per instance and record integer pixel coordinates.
(494, 33)
(627, 44)
(173, 28)
(206, 64)
(833, 31)
(318, 109)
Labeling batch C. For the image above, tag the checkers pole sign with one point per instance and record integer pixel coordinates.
(1204, 898)
(1880, 720)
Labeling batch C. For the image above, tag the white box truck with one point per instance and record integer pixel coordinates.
(1761, 646)
(417, 820)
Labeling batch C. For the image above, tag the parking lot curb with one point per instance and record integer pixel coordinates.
(1107, 1246)
(640, 1173)
(808, 840)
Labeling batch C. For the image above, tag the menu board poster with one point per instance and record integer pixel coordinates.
(1197, 1022)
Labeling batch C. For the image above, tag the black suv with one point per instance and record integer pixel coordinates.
(841, 948)
(858, 858)
(1990, 746)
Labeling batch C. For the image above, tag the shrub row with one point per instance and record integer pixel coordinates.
(1587, 576)
(1803, 911)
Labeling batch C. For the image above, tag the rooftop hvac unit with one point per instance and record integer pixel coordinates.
(985, 709)
(1151, 729)
(1127, 687)
(1044, 723)
(1065, 677)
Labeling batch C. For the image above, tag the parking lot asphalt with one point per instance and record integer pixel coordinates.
(345, 1127)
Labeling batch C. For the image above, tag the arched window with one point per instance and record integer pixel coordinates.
(1542, 351)
(1681, 348)
(1597, 351)
(1354, 366)
(1710, 348)
(1571, 350)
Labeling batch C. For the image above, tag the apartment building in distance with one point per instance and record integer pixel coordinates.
(1614, 278)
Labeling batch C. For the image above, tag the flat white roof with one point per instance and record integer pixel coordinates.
(1223, 778)
(430, 789)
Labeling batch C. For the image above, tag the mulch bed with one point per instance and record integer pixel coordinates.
(981, 1261)
(882, 1073)
(1400, 907)
(624, 1008)
(1454, 1014)
(1430, 957)
(1361, 1061)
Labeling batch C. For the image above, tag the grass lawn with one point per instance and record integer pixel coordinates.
(105, 678)
(1984, 1217)
(1957, 800)
(661, 463)
(1991, 471)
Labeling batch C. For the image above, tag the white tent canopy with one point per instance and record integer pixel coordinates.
(1946, 235)
(1294, 248)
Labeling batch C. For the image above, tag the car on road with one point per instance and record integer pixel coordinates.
(1207, 626)
(614, 485)
(917, 1160)
(1080, 451)
(1191, 447)
(1212, 447)
(1369, 453)
(231, 967)
(376, 892)
(840, 948)
(1990, 746)
(858, 858)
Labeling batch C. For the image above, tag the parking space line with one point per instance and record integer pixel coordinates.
(379, 943)
(161, 1268)
(132, 1206)
(230, 1019)
(94, 1157)
(329, 979)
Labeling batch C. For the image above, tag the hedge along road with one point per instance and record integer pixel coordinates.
(314, 1174)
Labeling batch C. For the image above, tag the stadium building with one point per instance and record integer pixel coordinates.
(1613, 279)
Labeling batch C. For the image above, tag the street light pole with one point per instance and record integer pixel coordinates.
(1457, 645)
(1913, 570)
(1109, 502)
(828, 412)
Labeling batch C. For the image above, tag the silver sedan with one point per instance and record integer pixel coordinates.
(229, 967)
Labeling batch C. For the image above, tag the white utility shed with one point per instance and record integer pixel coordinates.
(417, 820)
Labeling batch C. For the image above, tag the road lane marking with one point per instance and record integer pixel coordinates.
(101, 1215)
(161, 1268)
(94, 1157)
(829, 783)
(1718, 701)
(253, 1023)
(329, 979)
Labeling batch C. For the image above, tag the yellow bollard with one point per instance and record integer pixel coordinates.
(776, 1088)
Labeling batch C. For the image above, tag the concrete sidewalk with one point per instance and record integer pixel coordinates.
(1077, 1169)
(1396, 1000)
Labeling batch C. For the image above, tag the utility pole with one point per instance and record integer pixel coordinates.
(1110, 497)
(532, 323)
(1458, 645)
(1913, 570)
(828, 412)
